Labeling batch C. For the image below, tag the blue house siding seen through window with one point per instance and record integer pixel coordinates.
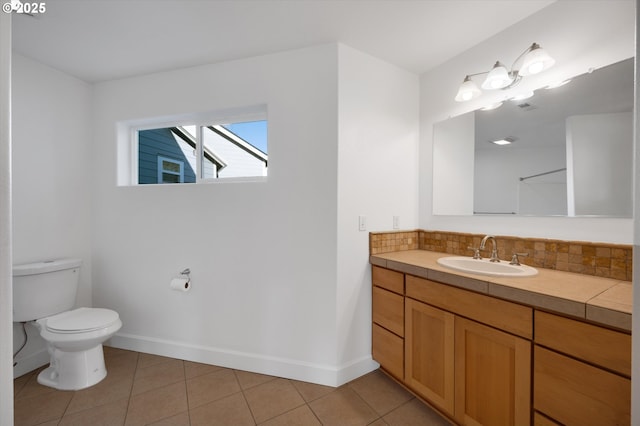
(156, 143)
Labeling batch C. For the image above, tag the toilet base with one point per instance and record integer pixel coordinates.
(73, 370)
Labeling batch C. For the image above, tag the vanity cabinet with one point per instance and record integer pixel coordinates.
(482, 360)
(474, 372)
(388, 320)
(581, 372)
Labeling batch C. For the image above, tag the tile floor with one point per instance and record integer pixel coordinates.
(143, 389)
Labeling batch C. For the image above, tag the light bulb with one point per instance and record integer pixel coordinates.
(497, 78)
(535, 67)
(467, 91)
(536, 60)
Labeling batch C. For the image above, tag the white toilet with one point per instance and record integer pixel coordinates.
(45, 292)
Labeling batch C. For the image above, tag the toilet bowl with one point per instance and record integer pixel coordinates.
(44, 293)
(74, 341)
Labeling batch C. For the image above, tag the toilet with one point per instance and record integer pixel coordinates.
(45, 293)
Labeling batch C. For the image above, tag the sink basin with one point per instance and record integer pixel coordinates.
(485, 267)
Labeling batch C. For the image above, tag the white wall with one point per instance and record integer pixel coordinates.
(377, 178)
(6, 350)
(580, 35)
(454, 165)
(598, 159)
(51, 114)
(262, 255)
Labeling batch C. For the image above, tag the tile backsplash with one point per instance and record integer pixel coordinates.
(599, 259)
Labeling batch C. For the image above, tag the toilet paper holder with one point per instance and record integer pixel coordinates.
(183, 282)
(186, 272)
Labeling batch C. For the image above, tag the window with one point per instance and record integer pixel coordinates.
(193, 150)
(170, 170)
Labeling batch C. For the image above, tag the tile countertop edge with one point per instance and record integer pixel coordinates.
(422, 263)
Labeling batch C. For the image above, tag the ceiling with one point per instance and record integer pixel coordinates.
(98, 40)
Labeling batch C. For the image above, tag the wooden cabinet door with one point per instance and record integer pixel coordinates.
(493, 376)
(429, 356)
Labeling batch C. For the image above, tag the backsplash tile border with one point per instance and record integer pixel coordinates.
(598, 259)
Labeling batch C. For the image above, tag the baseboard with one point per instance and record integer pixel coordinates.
(30, 362)
(354, 369)
(327, 375)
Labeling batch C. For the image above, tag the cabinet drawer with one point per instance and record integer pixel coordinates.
(597, 345)
(507, 316)
(388, 310)
(386, 278)
(574, 393)
(388, 350)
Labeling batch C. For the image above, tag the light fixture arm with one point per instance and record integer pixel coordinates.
(533, 46)
(476, 74)
(512, 70)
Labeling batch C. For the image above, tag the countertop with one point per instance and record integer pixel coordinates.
(602, 300)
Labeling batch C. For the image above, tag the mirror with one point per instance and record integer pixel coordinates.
(571, 152)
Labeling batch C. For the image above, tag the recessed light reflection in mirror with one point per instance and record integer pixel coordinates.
(504, 141)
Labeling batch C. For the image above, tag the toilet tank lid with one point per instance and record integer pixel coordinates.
(45, 266)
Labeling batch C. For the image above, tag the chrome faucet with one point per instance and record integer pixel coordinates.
(494, 251)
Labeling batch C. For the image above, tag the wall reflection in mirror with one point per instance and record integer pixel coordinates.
(570, 151)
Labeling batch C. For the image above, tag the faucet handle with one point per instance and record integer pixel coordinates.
(476, 252)
(515, 260)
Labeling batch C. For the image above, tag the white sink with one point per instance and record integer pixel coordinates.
(485, 267)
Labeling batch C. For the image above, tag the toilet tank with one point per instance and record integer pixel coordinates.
(42, 289)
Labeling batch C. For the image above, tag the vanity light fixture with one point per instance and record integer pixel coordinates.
(532, 61)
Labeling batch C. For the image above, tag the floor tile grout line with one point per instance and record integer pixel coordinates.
(375, 411)
(307, 403)
(133, 379)
(304, 402)
(186, 389)
(246, 401)
(314, 413)
(288, 411)
(271, 378)
(378, 416)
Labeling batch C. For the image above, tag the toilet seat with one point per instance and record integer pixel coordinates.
(81, 320)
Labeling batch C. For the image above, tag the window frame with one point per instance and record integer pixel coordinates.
(128, 143)
(161, 170)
